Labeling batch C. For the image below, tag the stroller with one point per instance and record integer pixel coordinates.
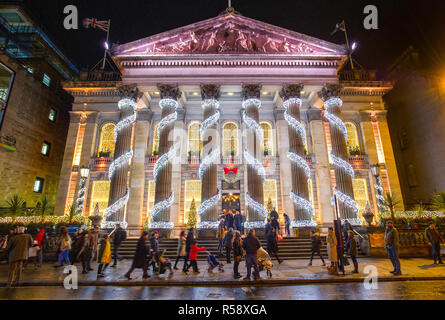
(163, 263)
(264, 262)
(213, 263)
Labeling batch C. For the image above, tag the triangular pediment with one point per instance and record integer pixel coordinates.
(231, 34)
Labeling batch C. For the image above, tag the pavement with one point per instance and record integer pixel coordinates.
(290, 272)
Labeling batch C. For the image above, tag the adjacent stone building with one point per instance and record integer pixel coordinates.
(34, 109)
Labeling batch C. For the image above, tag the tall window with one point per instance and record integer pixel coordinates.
(99, 195)
(38, 185)
(268, 138)
(192, 190)
(230, 139)
(360, 192)
(46, 147)
(155, 145)
(353, 145)
(270, 192)
(106, 144)
(46, 80)
(52, 115)
(194, 145)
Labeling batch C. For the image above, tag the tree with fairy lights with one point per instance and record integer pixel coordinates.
(269, 205)
(192, 217)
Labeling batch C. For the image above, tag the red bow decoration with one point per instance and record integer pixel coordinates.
(227, 170)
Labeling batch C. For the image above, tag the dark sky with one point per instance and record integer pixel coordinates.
(401, 23)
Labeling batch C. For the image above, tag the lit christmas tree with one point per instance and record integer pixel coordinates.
(192, 215)
(269, 205)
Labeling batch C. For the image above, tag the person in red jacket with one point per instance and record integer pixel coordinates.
(41, 240)
(194, 249)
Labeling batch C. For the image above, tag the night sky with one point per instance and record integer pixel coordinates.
(401, 23)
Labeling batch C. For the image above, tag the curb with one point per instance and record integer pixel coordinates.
(241, 283)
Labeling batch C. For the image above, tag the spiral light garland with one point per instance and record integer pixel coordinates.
(301, 163)
(337, 161)
(380, 198)
(256, 164)
(207, 162)
(162, 162)
(120, 161)
(161, 206)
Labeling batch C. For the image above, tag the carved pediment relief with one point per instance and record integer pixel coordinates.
(229, 34)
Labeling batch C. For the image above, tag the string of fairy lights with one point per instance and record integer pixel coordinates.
(120, 161)
(251, 123)
(207, 162)
(338, 161)
(299, 202)
(162, 163)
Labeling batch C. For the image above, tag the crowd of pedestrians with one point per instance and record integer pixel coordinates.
(87, 246)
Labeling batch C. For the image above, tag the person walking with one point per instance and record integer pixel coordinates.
(140, 257)
(76, 246)
(351, 247)
(104, 255)
(251, 244)
(287, 223)
(42, 241)
(154, 246)
(220, 234)
(267, 228)
(188, 243)
(229, 220)
(194, 249)
(120, 235)
(272, 244)
(274, 224)
(84, 254)
(64, 247)
(237, 254)
(392, 246)
(94, 242)
(17, 250)
(181, 253)
(432, 235)
(332, 247)
(273, 214)
(238, 221)
(228, 244)
(316, 246)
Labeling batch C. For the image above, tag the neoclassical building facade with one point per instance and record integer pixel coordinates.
(229, 112)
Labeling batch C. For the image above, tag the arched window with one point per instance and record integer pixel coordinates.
(155, 145)
(230, 139)
(353, 145)
(194, 145)
(106, 143)
(268, 138)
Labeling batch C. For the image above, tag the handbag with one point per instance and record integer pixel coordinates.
(279, 237)
(238, 259)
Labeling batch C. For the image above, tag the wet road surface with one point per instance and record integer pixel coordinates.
(407, 290)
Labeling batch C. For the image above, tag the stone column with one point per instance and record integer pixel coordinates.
(160, 213)
(300, 170)
(210, 156)
(137, 173)
(322, 171)
(118, 171)
(344, 173)
(257, 213)
(67, 164)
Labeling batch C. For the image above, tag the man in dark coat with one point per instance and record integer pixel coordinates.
(238, 221)
(351, 247)
(154, 246)
(84, 253)
(272, 244)
(251, 244)
(140, 257)
(392, 245)
(120, 235)
(188, 243)
(432, 235)
(229, 220)
(267, 228)
(316, 246)
(17, 250)
(273, 214)
(228, 244)
(274, 224)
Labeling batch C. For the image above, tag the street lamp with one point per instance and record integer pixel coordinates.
(375, 169)
(84, 172)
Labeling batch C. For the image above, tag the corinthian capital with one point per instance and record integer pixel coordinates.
(251, 91)
(169, 91)
(330, 90)
(129, 91)
(210, 91)
(291, 91)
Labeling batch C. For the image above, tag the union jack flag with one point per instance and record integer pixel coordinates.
(93, 23)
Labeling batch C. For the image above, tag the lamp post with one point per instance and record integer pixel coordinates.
(375, 169)
(84, 172)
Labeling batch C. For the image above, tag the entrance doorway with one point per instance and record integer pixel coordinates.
(231, 201)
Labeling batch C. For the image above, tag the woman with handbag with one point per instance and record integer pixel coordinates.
(182, 253)
(238, 253)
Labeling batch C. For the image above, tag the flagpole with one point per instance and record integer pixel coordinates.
(349, 48)
(108, 36)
